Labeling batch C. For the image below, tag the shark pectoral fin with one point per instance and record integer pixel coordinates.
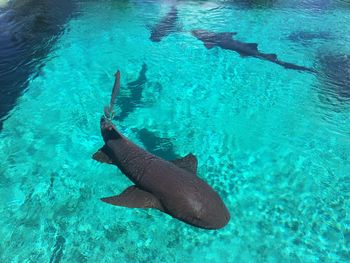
(134, 197)
(102, 155)
(209, 45)
(189, 163)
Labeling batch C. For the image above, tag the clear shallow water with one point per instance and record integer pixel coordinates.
(273, 142)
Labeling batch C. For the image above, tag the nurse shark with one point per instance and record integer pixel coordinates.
(165, 26)
(172, 187)
(225, 41)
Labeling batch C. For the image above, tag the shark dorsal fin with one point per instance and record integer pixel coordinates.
(134, 197)
(188, 163)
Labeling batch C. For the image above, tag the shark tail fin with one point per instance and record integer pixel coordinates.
(108, 110)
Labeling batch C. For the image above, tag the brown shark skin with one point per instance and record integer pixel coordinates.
(182, 194)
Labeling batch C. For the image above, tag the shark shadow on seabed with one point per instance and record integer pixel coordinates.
(128, 104)
(162, 147)
(132, 98)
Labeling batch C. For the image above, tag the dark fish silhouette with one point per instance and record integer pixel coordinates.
(165, 26)
(172, 187)
(130, 103)
(162, 147)
(225, 41)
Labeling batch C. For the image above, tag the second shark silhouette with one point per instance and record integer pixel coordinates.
(225, 41)
(165, 26)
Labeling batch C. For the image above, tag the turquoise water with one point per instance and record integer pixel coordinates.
(273, 142)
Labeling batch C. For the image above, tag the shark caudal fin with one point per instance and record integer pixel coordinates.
(108, 110)
(108, 130)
